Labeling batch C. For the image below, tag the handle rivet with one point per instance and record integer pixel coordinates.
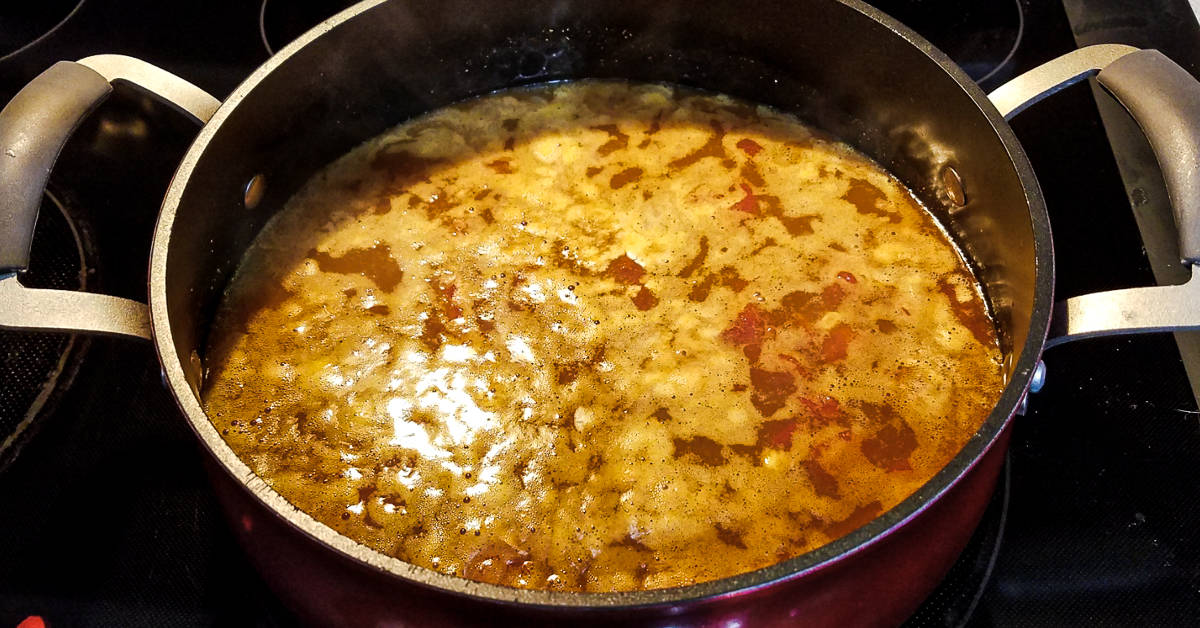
(952, 184)
(254, 191)
(1039, 377)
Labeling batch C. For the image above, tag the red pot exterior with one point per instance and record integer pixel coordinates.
(881, 585)
(838, 64)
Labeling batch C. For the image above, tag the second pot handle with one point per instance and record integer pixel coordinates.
(1164, 99)
(34, 127)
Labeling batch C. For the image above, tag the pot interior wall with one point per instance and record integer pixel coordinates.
(831, 63)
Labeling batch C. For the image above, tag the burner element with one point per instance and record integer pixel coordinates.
(27, 23)
(280, 22)
(35, 366)
(982, 37)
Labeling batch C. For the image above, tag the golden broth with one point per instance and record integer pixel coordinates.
(600, 336)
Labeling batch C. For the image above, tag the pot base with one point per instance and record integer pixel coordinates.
(881, 585)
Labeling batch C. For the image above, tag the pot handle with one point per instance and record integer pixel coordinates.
(1164, 99)
(34, 126)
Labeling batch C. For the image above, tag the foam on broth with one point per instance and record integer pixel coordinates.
(600, 336)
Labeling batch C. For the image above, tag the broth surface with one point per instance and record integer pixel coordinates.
(600, 336)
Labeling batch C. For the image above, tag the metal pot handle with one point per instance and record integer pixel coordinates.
(1164, 99)
(34, 126)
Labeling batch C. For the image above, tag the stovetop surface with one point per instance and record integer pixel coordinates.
(106, 517)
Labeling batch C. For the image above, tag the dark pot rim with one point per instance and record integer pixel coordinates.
(878, 529)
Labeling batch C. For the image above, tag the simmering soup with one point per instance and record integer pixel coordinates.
(600, 336)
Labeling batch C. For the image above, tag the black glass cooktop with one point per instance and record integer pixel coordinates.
(107, 519)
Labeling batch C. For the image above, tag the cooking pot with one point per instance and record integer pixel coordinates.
(839, 64)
